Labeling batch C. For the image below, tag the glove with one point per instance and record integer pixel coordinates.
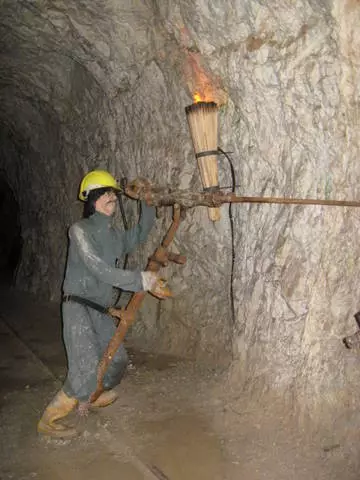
(149, 280)
(155, 285)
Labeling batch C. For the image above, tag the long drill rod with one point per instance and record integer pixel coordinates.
(165, 196)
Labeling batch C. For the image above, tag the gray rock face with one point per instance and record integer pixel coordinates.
(105, 84)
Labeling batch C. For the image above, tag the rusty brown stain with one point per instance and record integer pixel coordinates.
(351, 5)
(254, 43)
(303, 30)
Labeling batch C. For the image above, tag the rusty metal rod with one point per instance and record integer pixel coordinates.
(165, 196)
(232, 198)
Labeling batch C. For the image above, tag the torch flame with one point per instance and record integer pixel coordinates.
(203, 97)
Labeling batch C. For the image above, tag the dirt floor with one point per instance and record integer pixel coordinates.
(174, 420)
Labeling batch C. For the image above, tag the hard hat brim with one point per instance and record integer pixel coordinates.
(84, 195)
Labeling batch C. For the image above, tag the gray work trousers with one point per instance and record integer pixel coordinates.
(86, 336)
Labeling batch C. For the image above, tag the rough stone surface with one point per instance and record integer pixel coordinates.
(104, 84)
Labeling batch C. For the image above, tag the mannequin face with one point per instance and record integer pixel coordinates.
(106, 204)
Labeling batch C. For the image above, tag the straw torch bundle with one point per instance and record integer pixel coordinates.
(203, 124)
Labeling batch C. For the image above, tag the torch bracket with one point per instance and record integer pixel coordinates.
(207, 153)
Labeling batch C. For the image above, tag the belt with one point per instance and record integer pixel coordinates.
(86, 302)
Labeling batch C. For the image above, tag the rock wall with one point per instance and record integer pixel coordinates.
(105, 85)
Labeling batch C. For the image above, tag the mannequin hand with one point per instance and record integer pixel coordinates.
(161, 289)
(155, 285)
(121, 314)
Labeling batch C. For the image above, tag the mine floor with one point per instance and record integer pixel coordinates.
(174, 420)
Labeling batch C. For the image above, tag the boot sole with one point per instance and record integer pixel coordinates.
(96, 407)
(111, 399)
(57, 433)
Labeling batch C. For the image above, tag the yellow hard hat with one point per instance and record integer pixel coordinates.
(96, 179)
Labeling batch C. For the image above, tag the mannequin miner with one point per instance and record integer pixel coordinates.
(90, 275)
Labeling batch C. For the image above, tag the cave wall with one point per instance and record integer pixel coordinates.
(105, 85)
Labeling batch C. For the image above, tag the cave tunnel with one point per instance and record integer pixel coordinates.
(11, 240)
(269, 290)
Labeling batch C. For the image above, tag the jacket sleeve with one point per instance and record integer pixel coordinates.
(135, 236)
(124, 279)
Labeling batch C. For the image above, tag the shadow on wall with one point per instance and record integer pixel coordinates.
(10, 236)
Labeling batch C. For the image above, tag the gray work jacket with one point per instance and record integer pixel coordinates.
(94, 246)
